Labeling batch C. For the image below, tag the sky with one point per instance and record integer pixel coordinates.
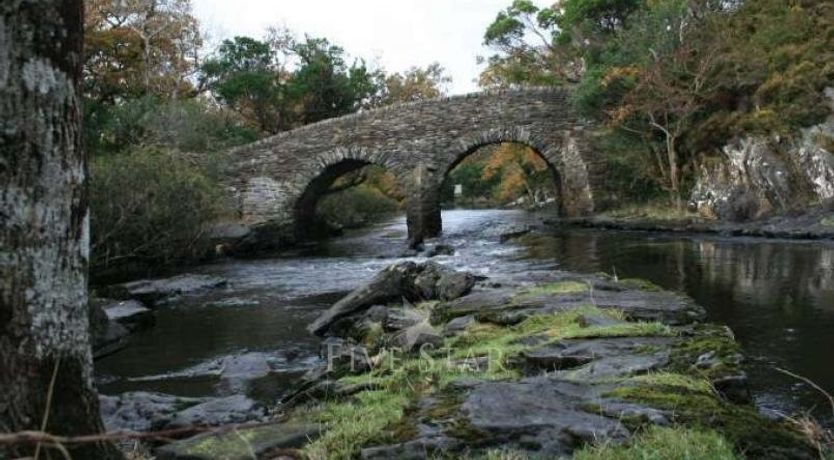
(394, 34)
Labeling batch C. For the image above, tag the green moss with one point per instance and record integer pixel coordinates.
(640, 285)
(669, 379)
(828, 222)
(704, 339)
(694, 404)
(349, 425)
(561, 287)
(665, 444)
(491, 340)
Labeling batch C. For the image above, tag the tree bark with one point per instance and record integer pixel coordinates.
(45, 359)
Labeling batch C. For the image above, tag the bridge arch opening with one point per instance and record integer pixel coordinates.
(533, 177)
(348, 193)
(504, 174)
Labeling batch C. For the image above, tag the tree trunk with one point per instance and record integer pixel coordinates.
(674, 172)
(44, 236)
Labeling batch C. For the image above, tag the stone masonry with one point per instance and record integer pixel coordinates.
(277, 181)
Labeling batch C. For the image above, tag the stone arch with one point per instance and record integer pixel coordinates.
(555, 149)
(515, 135)
(324, 170)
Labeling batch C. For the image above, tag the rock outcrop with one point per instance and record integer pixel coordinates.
(759, 175)
(539, 370)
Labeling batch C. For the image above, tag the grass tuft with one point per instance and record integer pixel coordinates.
(665, 444)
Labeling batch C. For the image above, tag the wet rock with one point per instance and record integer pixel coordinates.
(397, 319)
(513, 234)
(142, 411)
(542, 414)
(386, 286)
(451, 286)
(506, 307)
(219, 411)
(403, 282)
(602, 357)
(153, 292)
(240, 444)
(106, 336)
(440, 250)
(131, 314)
(425, 282)
(734, 388)
(458, 325)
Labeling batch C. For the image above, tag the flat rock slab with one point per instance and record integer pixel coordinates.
(142, 411)
(152, 292)
(244, 444)
(568, 354)
(220, 411)
(543, 413)
(131, 314)
(147, 411)
(505, 306)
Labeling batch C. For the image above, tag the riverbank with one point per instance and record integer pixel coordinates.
(426, 362)
(813, 224)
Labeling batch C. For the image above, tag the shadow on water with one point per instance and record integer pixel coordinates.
(778, 297)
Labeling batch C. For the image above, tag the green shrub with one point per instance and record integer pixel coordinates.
(187, 125)
(150, 207)
(356, 206)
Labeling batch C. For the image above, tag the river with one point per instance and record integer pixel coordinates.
(777, 296)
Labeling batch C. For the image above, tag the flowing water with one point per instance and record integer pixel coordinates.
(778, 298)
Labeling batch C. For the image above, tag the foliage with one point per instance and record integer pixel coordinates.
(501, 174)
(352, 424)
(149, 206)
(137, 48)
(189, 125)
(356, 206)
(245, 76)
(677, 78)
(416, 84)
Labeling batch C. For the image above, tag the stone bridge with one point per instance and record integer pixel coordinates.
(277, 181)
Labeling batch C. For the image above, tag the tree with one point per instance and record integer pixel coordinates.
(45, 357)
(324, 86)
(139, 47)
(416, 84)
(524, 38)
(246, 76)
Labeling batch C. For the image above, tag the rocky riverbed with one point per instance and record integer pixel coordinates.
(426, 362)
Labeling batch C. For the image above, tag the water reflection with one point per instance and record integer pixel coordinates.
(778, 297)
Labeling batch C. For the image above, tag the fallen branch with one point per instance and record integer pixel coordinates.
(812, 384)
(37, 437)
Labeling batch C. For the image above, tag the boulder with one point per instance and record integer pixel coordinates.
(386, 286)
(131, 314)
(440, 250)
(240, 444)
(542, 412)
(219, 411)
(142, 411)
(454, 285)
(106, 336)
(153, 292)
(458, 325)
(397, 319)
